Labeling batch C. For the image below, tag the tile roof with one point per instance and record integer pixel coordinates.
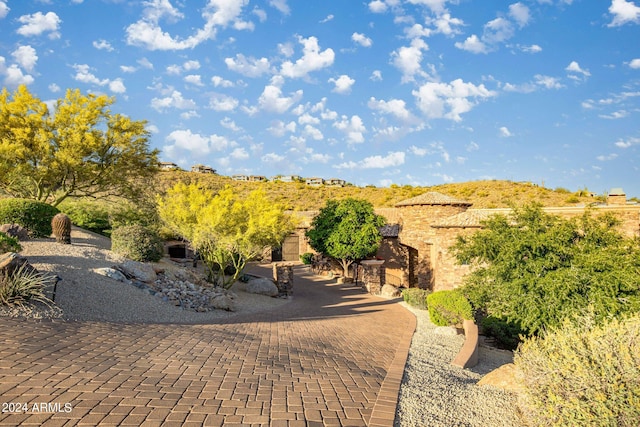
(433, 198)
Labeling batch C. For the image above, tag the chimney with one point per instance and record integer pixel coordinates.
(616, 197)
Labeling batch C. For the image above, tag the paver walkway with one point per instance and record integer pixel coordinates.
(334, 356)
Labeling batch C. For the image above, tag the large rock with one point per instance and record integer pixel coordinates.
(223, 302)
(262, 286)
(112, 273)
(505, 378)
(15, 230)
(390, 291)
(138, 271)
(11, 261)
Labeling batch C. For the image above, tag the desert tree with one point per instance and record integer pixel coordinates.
(78, 148)
(224, 228)
(347, 231)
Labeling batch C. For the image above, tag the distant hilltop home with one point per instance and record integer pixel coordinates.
(240, 177)
(287, 178)
(417, 240)
(335, 182)
(168, 166)
(257, 178)
(202, 169)
(314, 182)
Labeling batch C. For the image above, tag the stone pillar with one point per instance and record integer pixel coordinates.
(373, 277)
(283, 276)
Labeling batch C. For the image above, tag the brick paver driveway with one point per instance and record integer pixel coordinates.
(332, 356)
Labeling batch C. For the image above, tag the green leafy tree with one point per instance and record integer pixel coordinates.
(225, 229)
(534, 269)
(346, 230)
(79, 149)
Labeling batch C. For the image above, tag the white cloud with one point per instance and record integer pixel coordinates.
(623, 12)
(608, 157)
(221, 82)
(195, 143)
(342, 84)
(312, 59)
(219, 102)
(148, 34)
(534, 48)
(376, 76)
(281, 5)
(250, 67)
(505, 132)
(574, 69)
(547, 82)
(240, 154)
(395, 107)
(117, 86)
(450, 100)
(376, 162)
(361, 39)
(352, 127)
(279, 128)
(103, 45)
(313, 133)
(14, 76)
(408, 59)
(472, 44)
(194, 79)
(420, 152)
(497, 31)
(377, 6)
(635, 63)
(437, 6)
(272, 100)
(445, 24)
(327, 19)
(26, 57)
(4, 9)
(175, 100)
(520, 13)
(620, 114)
(38, 23)
(628, 143)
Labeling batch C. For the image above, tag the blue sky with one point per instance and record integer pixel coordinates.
(418, 92)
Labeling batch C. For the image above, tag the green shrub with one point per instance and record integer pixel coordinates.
(25, 285)
(137, 243)
(34, 216)
(91, 216)
(505, 334)
(448, 308)
(583, 373)
(306, 258)
(9, 244)
(416, 297)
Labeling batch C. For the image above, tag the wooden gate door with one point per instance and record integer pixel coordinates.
(291, 248)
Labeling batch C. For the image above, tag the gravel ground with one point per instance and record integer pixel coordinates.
(85, 295)
(437, 394)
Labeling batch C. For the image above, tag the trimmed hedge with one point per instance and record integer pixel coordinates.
(582, 373)
(448, 308)
(30, 214)
(137, 243)
(416, 297)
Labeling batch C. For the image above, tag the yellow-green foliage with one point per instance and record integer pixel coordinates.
(226, 229)
(583, 374)
(448, 308)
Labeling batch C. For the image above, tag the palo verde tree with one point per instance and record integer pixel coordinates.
(80, 148)
(534, 269)
(346, 230)
(225, 229)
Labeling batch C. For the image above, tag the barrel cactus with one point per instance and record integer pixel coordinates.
(61, 227)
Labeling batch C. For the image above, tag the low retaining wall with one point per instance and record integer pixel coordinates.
(468, 355)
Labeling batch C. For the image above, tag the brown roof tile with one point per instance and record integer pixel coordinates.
(470, 218)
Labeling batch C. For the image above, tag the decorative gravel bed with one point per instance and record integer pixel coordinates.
(435, 393)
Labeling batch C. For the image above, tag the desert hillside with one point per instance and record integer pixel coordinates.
(299, 196)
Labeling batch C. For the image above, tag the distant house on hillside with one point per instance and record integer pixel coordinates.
(257, 178)
(202, 169)
(168, 166)
(335, 182)
(240, 177)
(314, 182)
